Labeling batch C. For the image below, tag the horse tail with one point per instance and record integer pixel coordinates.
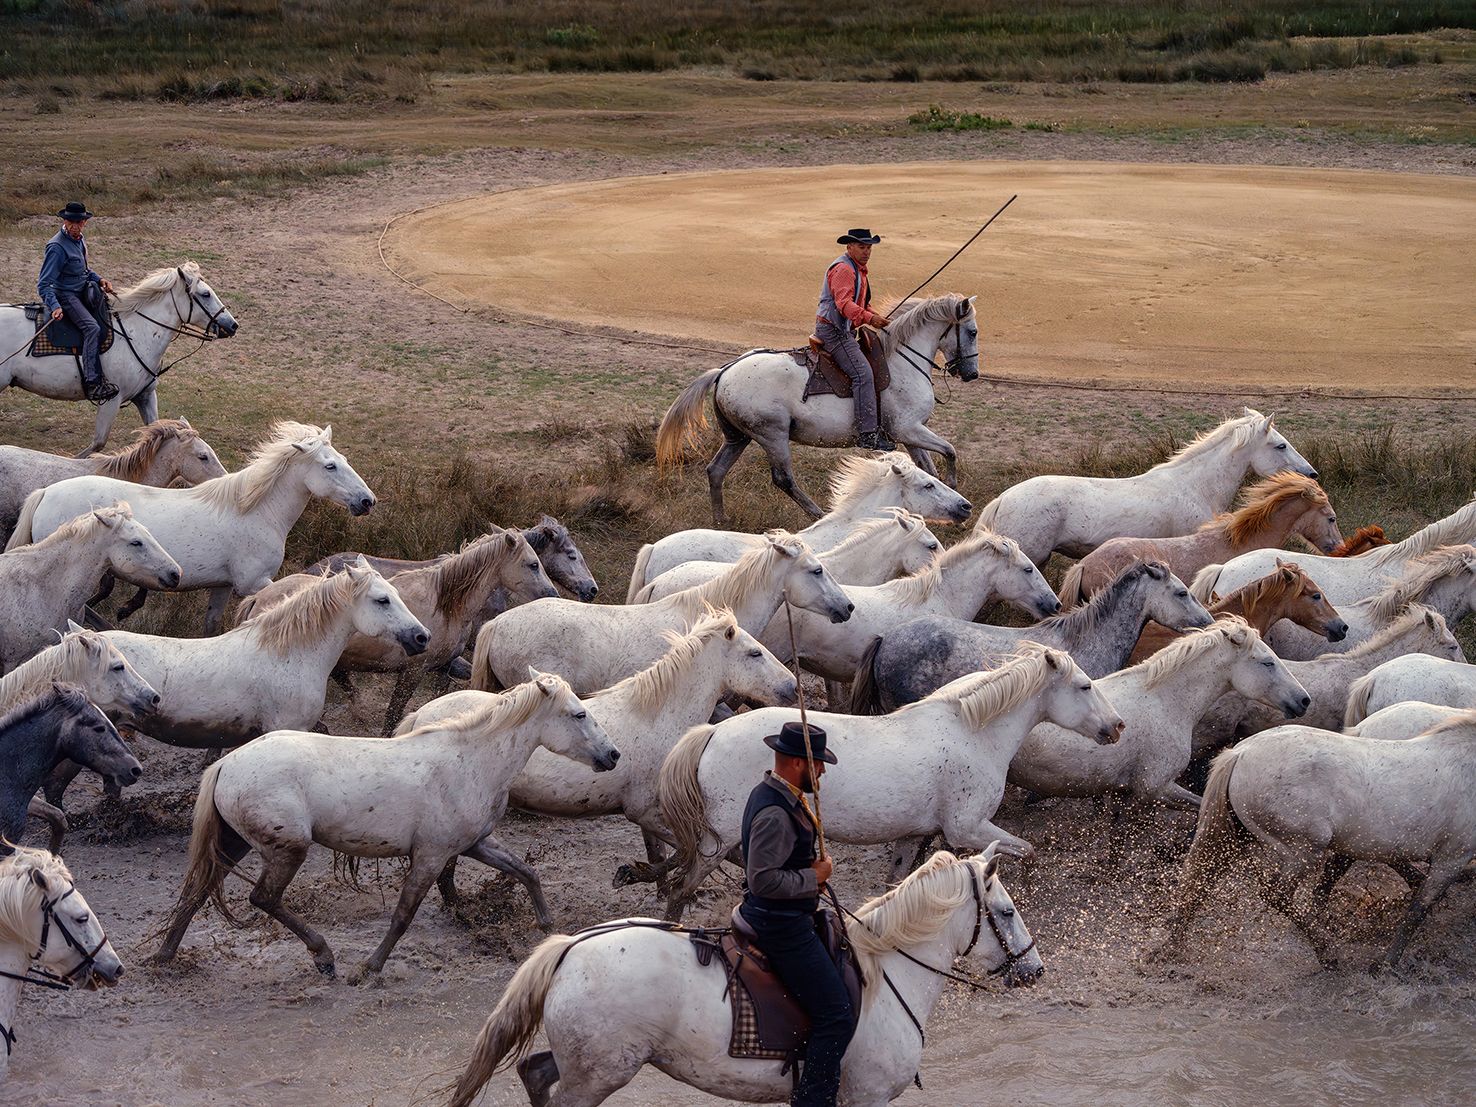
(245, 609)
(638, 574)
(646, 594)
(1360, 692)
(208, 864)
(1071, 593)
(1202, 588)
(405, 725)
(514, 1022)
(686, 417)
(483, 679)
(989, 514)
(21, 536)
(865, 692)
(683, 806)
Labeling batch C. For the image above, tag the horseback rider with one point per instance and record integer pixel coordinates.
(783, 876)
(845, 304)
(69, 287)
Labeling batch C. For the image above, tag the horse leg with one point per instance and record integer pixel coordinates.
(923, 460)
(104, 589)
(717, 472)
(1442, 874)
(703, 867)
(837, 695)
(491, 852)
(55, 785)
(981, 833)
(215, 613)
(1280, 877)
(919, 438)
(903, 853)
(147, 404)
(140, 597)
(781, 471)
(233, 848)
(446, 885)
(341, 678)
(104, 423)
(406, 683)
(281, 865)
(1332, 872)
(539, 1072)
(53, 817)
(418, 881)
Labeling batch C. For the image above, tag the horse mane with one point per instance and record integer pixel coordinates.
(856, 475)
(56, 693)
(1267, 589)
(82, 528)
(248, 486)
(733, 587)
(651, 688)
(1239, 429)
(870, 530)
(507, 709)
(466, 575)
(1361, 541)
(913, 590)
(1398, 626)
(545, 532)
(155, 285)
(1261, 502)
(914, 315)
(1423, 574)
(133, 460)
(1084, 619)
(1459, 524)
(912, 911)
(61, 662)
(983, 697)
(1184, 651)
(21, 896)
(308, 614)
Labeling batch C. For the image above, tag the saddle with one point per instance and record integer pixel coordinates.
(767, 1022)
(829, 379)
(62, 336)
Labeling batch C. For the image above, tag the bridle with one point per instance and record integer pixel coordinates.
(925, 365)
(208, 332)
(45, 978)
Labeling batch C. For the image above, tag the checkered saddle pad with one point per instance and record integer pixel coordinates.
(62, 337)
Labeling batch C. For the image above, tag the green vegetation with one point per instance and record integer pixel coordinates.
(334, 50)
(941, 119)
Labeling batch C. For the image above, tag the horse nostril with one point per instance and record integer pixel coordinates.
(421, 639)
(1306, 702)
(155, 700)
(850, 607)
(136, 772)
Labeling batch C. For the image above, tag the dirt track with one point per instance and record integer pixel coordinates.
(1210, 273)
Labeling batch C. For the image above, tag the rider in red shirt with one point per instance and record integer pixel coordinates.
(845, 303)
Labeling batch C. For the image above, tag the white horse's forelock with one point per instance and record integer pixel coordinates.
(855, 476)
(156, 284)
(248, 486)
(61, 662)
(21, 897)
(1239, 430)
(1173, 657)
(984, 696)
(651, 688)
(912, 912)
(1422, 575)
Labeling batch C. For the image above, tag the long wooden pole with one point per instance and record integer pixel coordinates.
(960, 250)
(799, 685)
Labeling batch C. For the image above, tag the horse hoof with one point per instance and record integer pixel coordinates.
(327, 968)
(634, 872)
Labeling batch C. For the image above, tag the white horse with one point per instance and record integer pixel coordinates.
(146, 318)
(1075, 515)
(228, 534)
(1345, 580)
(1160, 699)
(594, 645)
(1444, 580)
(430, 795)
(48, 935)
(44, 586)
(937, 765)
(1315, 801)
(860, 488)
(896, 543)
(1331, 679)
(626, 994)
(649, 712)
(1400, 721)
(169, 452)
(761, 397)
(982, 568)
(1437, 680)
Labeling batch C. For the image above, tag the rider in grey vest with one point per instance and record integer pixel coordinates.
(845, 302)
(70, 287)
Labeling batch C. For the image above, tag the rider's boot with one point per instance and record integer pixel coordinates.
(875, 440)
(98, 388)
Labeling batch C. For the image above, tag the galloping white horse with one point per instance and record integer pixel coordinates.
(46, 922)
(626, 994)
(594, 645)
(1075, 515)
(228, 534)
(937, 765)
(1437, 680)
(760, 397)
(147, 318)
(859, 489)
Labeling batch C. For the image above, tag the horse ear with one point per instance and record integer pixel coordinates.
(72, 627)
(328, 433)
(509, 539)
(731, 632)
(185, 422)
(963, 308)
(38, 878)
(990, 857)
(897, 468)
(1430, 619)
(105, 520)
(1156, 569)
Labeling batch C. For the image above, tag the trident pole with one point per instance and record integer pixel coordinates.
(799, 685)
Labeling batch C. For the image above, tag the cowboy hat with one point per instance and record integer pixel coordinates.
(862, 236)
(790, 741)
(74, 212)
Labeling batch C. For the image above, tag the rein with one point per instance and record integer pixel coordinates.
(202, 333)
(45, 978)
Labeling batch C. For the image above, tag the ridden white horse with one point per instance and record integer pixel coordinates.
(1315, 801)
(1444, 580)
(897, 543)
(981, 569)
(1330, 679)
(760, 397)
(44, 586)
(859, 489)
(1075, 515)
(626, 994)
(49, 936)
(228, 534)
(1345, 580)
(1160, 699)
(594, 645)
(649, 712)
(934, 766)
(169, 452)
(1403, 720)
(146, 318)
(1437, 680)
(430, 795)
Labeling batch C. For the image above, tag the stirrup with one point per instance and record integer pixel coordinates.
(876, 440)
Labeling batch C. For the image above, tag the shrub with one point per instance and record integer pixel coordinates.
(936, 118)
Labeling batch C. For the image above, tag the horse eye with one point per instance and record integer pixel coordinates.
(1184, 595)
(573, 557)
(1084, 687)
(137, 542)
(1269, 664)
(1316, 597)
(384, 600)
(1282, 446)
(816, 571)
(755, 653)
(582, 715)
(331, 466)
(929, 486)
(118, 668)
(1007, 912)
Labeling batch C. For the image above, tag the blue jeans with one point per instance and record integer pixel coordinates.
(843, 347)
(799, 960)
(75, 306)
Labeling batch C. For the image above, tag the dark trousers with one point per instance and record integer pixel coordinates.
(75, 306)
(843, 347)
(794, 950)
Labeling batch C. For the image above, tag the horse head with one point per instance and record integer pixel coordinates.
(379, 612)
(133, 553)
(330, 476)
(218, 321)
(1168, 601)
(964, 361)
(568, 728)
(1009, 950)
(88, 737)
(69, 939)
(108, 679)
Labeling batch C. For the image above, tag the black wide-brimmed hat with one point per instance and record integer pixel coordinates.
(791, 741)
(862, 236)
(74, 212)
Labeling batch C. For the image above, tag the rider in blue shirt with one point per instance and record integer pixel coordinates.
(70, 287)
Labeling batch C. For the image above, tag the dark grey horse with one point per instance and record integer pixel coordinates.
(60, 724)
(921, 656)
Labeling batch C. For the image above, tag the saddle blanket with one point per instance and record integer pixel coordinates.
(62, 337)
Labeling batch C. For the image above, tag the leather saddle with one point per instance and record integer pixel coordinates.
(767, 1022)
(829, 379)
(63, 337)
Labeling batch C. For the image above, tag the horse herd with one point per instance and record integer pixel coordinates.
(1182, 629)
